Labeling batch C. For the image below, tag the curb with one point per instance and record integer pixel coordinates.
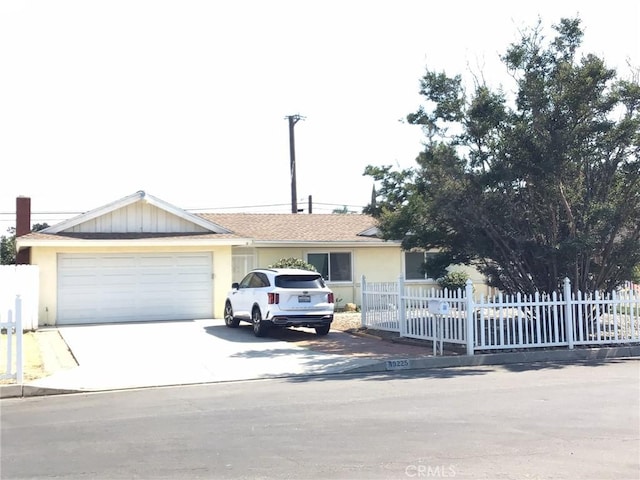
(13, 391)
(9, 391)
(580, 355)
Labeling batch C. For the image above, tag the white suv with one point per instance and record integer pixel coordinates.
(280, 297)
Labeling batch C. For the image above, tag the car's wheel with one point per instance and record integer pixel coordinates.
(260, 327)
(229, 320)
(323, 330)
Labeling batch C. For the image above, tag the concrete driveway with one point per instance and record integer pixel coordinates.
(132, 355)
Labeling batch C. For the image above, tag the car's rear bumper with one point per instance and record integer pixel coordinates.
(301, 320)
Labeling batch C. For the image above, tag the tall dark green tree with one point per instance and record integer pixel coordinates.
(530, 189)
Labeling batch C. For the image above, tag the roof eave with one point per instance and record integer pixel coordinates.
(327, 243)
(144, 242)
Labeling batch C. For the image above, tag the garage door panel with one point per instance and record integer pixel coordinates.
(78, 281)
(79, 261)
(116, 261)
(135, 287)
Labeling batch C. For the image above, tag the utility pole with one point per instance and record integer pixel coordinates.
(293, 119)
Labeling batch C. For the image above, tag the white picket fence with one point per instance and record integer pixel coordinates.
(500, 322)
(12, 331)
(18, 313)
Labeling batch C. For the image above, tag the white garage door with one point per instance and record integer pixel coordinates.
(110, 288)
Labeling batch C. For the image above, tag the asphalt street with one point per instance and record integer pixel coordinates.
(551, 420)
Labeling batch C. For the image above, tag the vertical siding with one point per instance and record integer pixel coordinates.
(138, 217)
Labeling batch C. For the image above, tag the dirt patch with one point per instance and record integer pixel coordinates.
(346, 321)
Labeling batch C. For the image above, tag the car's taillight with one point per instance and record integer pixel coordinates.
(274, 298)
(330, 298)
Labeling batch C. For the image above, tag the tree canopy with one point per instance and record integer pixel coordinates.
(531, 187)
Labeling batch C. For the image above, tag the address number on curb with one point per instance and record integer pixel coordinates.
(397, 364)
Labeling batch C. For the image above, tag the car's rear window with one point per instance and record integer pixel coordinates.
(299, 281)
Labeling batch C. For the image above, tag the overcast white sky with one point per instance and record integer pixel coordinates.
(187, 100)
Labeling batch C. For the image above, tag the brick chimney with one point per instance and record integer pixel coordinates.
(23, 226)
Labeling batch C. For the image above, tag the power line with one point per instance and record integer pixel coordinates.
(58, 216)
(210, 209)
(44, 213)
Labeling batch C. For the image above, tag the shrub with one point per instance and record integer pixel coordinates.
(453, 281)
(292, 262)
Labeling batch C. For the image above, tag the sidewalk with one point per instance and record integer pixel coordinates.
(92, 358)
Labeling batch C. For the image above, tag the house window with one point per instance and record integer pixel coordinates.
(413, 264)
(333, 266)
(242, 263)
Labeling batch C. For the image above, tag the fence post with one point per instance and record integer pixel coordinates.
(9, 325)
(468, 292)
(19, 350)
(363, 302)
(402, 311)
(568, 312)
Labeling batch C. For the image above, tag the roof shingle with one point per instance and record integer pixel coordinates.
(296, 227)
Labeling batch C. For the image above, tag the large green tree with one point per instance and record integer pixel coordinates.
(531, 187)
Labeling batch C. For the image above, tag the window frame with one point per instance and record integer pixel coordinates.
(328, 254)
(425, 255)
